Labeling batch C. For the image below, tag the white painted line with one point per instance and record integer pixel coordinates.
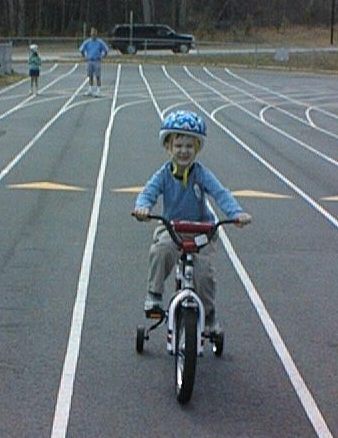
(284, 97)
(265, 163)
(31, 143)
(150, 92)
(16, 84)
(297, 381)
(296, 140)
(65, 393)
(261, 118)
(28, 99)
(304, 395)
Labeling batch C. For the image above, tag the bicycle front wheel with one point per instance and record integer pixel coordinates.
(186, 353)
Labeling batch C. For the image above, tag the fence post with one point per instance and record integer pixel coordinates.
(5, 58)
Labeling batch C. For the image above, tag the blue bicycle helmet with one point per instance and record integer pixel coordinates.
(183, 122)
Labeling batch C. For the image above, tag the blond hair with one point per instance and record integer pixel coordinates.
(168, 141)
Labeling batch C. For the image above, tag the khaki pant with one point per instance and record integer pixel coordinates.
(162, 257)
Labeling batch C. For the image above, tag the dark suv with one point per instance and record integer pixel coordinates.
(128, 39)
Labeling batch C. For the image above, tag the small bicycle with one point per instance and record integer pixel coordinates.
(185, 316)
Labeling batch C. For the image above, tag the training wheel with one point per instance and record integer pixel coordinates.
(140, 338)
(218, 344)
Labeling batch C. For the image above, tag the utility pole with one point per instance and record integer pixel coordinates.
(332, 19)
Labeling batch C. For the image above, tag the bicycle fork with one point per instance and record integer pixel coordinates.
(185, 298)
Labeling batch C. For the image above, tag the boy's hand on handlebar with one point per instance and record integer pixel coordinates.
(243, 219)
(141, 213)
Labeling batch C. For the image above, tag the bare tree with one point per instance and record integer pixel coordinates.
(21, 17)
(182, 14)
(174, 14)
(147, 15)
(63, 16)
(11, 17)
(60, 17)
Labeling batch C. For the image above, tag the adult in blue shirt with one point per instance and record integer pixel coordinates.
(94, 49)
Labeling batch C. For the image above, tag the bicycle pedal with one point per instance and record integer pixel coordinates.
(155, 313)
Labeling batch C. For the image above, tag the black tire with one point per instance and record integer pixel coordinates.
(218, 346)
(184, 48)
(186, 354)
(140, 337)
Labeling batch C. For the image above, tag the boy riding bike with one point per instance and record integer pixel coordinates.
(184, 185)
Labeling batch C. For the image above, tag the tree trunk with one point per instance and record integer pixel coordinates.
(182, 17)
(63, 17)
(21, 18)
(174, 13)
(147, 11)
(11, 17)
(38, 18)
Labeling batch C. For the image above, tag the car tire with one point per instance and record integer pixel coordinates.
(184, 48)
(131, 49)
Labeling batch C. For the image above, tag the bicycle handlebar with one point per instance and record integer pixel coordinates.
(175, 227)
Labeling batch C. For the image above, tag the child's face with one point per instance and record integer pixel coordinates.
(183, 150)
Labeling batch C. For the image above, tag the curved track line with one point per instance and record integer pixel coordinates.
(260, 118)
(28, 99)
(283, 96)
(16, 84)
(269, 166)
(312, 411)
(31, 143)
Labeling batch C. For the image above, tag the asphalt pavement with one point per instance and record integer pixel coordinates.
(73, 262)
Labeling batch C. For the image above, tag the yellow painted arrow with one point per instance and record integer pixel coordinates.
(45, 185)
(136, 189)
(239, 193)
(258, 194)
(330, 198)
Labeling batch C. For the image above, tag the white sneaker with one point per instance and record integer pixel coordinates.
(212, 330)
(212, 326)
(153, 306)
(152, 300)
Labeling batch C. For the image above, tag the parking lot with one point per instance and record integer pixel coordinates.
(73, 261)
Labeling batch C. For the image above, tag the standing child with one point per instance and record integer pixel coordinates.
(34, 63)
(184, 185)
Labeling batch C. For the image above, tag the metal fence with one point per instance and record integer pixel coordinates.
(253, 54)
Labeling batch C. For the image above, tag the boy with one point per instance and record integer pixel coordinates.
(94, 49)
(184, 184)
(34, 63)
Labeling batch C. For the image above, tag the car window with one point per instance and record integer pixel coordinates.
(121, 31)
(163, 31)
(150, 32)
